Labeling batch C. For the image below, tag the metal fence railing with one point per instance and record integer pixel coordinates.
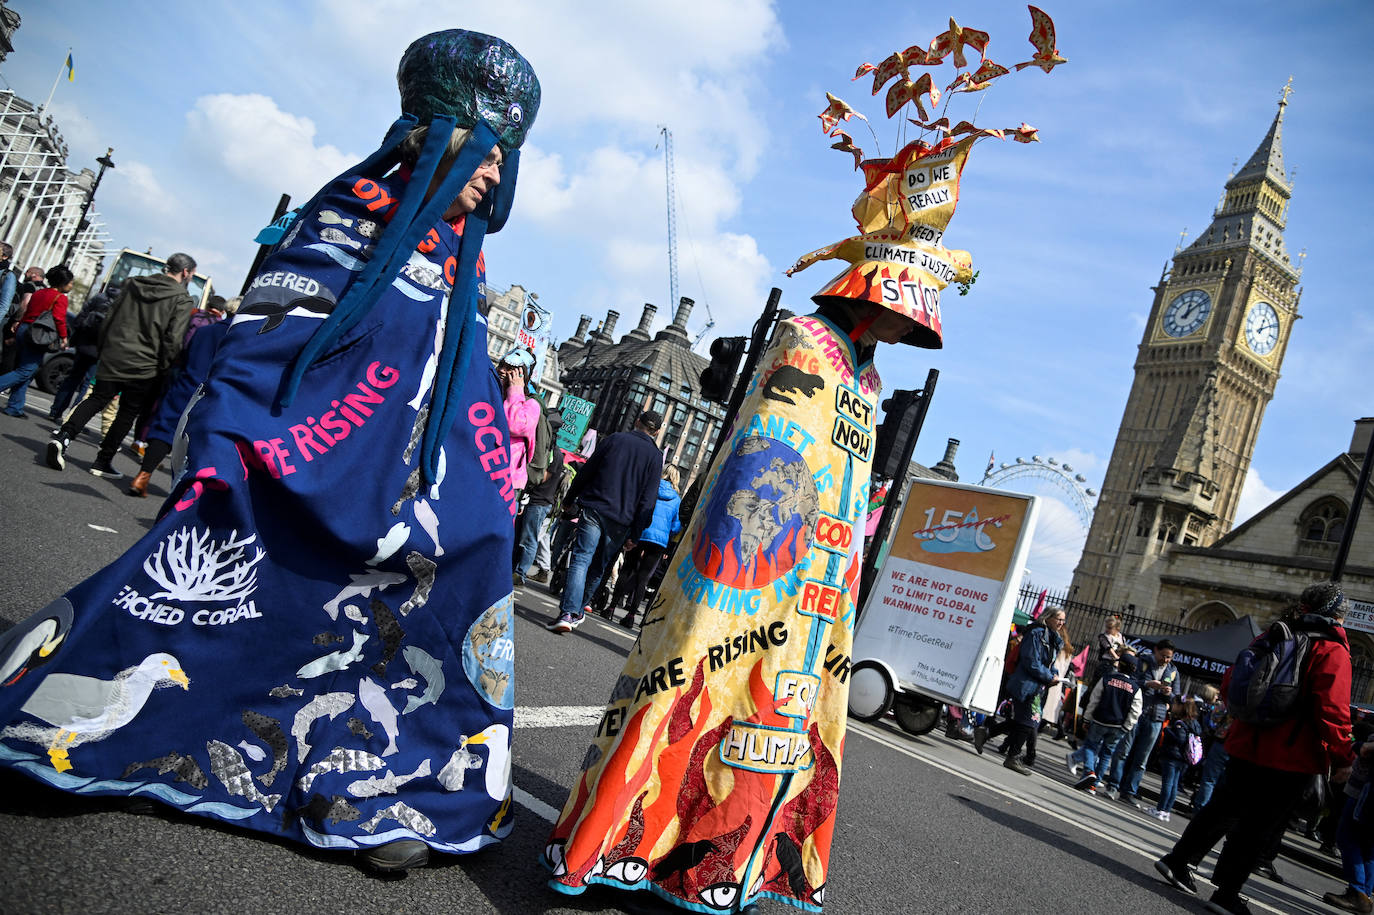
(1085, 621)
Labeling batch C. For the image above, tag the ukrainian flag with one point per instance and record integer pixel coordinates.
(71, 69)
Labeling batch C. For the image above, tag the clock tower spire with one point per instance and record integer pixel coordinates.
(1205, 369)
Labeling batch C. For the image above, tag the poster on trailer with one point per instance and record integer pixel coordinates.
(941, 607)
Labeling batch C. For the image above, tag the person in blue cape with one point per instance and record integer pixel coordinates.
(314, 639)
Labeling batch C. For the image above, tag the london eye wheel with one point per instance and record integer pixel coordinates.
(1066, 511)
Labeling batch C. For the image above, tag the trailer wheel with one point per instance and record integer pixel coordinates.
(870, 691)
(916, 714)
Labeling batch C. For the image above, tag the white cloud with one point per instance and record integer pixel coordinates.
(1255, 495)
(1084, 462)
(1056, 545)
(628, 64)
(615, 203)
(592, 175)
(135, 186)
(256, 142)
(77, 129)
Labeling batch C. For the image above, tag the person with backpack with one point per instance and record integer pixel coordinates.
(1182, 747)
(1216, 724)
(1288, 695)
(1160, 679)
(523, 416)
(85, 327)
(1113, 705)
(529, 527)
(41, 324)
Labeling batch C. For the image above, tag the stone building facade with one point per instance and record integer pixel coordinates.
(1262, 565)
(40, 199)
(1206, 369)
(645, 371)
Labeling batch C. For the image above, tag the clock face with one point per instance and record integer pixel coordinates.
(1262, 328)
(1187, 312)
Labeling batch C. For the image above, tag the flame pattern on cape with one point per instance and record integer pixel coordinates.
(682, 793)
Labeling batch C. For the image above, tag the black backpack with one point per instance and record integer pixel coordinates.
(86, 324)
(1267, 681)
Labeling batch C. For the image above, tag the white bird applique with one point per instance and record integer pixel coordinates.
(496, 739)
(85, 709)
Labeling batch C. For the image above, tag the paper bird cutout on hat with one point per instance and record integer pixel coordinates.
(846, 144)
(1024, 134)
(956, 39)
(836, 111)
(979, 79)
(899, 62)
(941, 125)
(1046, 56)
(966, 127)
(907, 91)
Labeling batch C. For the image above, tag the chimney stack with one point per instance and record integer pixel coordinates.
(641, 332)
(646, 319)
(583, 323)
(677, 331)
(1359, 442)
(684, 311)
(607, 327)
(946, 466)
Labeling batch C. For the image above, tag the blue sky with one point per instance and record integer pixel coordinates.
(215, 109)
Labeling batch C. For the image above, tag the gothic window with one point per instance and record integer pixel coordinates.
(1167, 533)
(1142, 528)
(1323, 521)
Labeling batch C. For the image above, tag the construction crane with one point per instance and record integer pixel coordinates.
(710, 323)
(671, 182)
(670, 174)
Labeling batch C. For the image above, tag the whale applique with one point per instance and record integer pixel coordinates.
(380, 708)
(272, 314)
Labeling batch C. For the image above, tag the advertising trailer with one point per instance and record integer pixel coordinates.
(934, 628)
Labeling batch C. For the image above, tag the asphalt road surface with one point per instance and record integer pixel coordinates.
(925, 824)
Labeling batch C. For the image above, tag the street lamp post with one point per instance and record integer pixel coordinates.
(105, 162)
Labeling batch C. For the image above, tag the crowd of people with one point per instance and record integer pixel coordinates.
(138, 355)
(1253, 774)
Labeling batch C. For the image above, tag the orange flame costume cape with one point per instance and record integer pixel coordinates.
(714, 775)
(715, 771)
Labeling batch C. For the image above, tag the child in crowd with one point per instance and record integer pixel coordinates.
(1181, 748)
(1113, 708)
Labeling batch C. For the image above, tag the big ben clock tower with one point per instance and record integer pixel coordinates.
(1205, 370)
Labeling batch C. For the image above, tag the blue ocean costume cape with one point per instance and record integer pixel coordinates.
(313, 639)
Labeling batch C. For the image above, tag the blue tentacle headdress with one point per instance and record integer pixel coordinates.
(448, 79)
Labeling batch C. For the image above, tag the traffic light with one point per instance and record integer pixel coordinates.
(899, 421)
(718, 378)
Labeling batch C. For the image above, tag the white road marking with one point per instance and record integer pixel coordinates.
(1150, 853)
(102, 528)
(557, 716)
(534, 805)
(550, 716)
